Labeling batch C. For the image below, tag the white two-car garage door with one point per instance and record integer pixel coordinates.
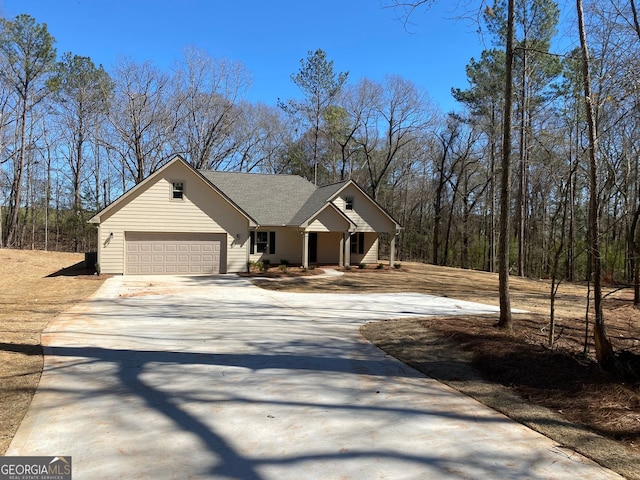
(174, 253)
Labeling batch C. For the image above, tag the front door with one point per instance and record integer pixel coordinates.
(313, 247)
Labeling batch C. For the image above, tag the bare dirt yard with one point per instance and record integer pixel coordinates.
(34, 287)
(559, 391)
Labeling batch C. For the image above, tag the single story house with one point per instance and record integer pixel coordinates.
(185, 221)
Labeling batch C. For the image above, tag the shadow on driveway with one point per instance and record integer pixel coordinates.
(229, 381)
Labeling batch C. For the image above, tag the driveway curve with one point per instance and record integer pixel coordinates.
(212, 377)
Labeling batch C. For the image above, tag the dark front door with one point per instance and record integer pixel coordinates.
(313, 247)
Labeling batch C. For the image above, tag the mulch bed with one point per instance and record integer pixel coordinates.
(560, 379)
(277, 272)
(559, 393)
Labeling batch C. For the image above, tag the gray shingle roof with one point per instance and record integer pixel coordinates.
(271, 200)
(316, 201)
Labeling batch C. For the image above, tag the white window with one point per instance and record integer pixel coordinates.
(348, 203)
(177, 190)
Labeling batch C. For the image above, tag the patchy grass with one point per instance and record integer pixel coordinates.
(34, 287)
(558, 391)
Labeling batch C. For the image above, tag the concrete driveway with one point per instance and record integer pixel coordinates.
(211, 377)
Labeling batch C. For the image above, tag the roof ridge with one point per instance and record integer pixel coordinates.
(206, 170)
(335, 183)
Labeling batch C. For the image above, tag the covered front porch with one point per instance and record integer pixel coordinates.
(343, 248)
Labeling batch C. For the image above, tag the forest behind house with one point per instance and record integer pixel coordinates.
(75, 135)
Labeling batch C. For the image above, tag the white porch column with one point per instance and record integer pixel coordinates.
(392, 250)
(305, 250)
(347, 249)
(341, 255)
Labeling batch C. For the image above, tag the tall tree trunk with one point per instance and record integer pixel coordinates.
(437, 209)
(16, 187)
(635, 250)
(604, 350)
(31, 203)
(437, 215)
(506, 319)
(47, 201)
(570, 263)
(492, 190)
(556, 278)
(522, 184)
(447, 238)
(466, 213)
(634, 234)
(76, 169)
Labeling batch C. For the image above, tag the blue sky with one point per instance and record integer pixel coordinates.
(269, 38)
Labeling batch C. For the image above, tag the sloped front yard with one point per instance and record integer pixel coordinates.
(557, 391)
(34, 287)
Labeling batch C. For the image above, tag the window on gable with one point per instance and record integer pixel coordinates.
(348, 203)
(177, 190)
(263, 242)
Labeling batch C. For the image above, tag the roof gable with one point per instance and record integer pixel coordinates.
(316, 201)
(329, 210)
(126, 196)
(364, 194)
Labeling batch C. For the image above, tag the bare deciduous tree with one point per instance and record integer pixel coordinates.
(604, 350)
(140, 118)
(205, 98)
(397, 111)
(81, 93)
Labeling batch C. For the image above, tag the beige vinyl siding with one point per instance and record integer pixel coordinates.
(152, 209)
(370, 248)
(370, 254)
(365, 214)
(328, 220)
(288, 246)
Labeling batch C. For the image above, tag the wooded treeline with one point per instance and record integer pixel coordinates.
(74, 136)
